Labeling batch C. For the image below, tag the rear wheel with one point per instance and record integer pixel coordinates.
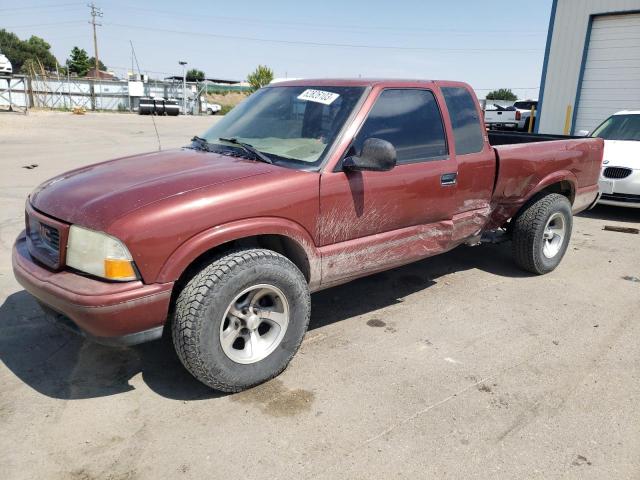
(241, 319)
(541, 233)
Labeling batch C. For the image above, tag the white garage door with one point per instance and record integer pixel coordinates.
(611, 80)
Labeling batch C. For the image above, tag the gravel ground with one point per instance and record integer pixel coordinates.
(459, 366)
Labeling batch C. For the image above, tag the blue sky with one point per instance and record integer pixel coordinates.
(490, 44)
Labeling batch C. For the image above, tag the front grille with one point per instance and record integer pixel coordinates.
(617, 172)
(621, 197)
(43, 242)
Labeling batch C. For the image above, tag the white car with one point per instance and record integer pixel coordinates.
(209, 108)
(213, 108)
(620, 176)
(5, 66)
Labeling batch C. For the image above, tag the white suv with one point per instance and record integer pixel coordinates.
(5, 65)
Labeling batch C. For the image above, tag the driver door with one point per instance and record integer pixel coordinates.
(371, 221)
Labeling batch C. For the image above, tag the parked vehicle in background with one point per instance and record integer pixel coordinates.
(303, 186)
(5, 65)
(496, 116)
(213, 108)
(620, 176)
(209, 108)
(523, 113)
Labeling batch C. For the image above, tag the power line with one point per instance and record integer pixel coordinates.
(351, 28)
(38, 7)
(46, 24)
(321, 44)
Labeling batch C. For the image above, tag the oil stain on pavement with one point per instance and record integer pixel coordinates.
(276, 400)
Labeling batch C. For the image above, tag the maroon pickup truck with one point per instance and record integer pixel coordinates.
(305, 185)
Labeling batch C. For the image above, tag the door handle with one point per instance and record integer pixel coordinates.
(447, 179)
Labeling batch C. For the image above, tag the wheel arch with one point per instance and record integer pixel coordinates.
(562, 182)
(280, 235)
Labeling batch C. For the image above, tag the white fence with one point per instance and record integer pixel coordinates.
(22, 93)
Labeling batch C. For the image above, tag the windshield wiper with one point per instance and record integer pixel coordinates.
(248, 148)
(201, 144)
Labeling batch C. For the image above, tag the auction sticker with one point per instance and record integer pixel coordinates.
(319, 96)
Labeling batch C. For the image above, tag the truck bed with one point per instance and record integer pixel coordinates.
(497, 138)
(528, 162)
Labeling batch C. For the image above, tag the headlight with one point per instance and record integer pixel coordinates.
(99, 254)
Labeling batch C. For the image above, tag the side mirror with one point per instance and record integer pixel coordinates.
(377, 156)
(583, 133)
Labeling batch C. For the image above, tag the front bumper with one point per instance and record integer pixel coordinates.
(112, 313)
(623, 192)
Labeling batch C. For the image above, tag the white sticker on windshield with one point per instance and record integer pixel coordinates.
(319, 96)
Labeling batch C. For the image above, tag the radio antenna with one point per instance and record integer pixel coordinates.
(135, 57)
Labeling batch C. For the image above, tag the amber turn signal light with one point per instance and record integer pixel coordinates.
(118, 269)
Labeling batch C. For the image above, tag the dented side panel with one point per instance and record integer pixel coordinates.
(525, 169)
(362, 256)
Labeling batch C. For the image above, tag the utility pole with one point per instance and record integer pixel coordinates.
(184, 87)
(95, 12)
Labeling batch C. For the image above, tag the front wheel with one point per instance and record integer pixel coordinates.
(241, 319)
(541, 233)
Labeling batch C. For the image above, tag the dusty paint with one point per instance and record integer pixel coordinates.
(335, 226)
(382, 251)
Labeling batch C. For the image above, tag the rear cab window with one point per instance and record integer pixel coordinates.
(467, 129)
(410, 119)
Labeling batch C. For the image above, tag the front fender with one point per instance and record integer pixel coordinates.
(201, 243)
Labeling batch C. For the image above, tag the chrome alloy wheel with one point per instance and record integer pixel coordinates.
(254, 324)
(553, 236)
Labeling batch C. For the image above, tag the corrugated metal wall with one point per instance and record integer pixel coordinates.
(565, 56)
(611, 79)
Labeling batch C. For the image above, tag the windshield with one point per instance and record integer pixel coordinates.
(293, 126)
(619, 127)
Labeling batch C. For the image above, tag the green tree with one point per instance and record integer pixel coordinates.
(79, 63)
(260, 77)
(92, 64)
(35, 49)
(502, 94)
(195, 75)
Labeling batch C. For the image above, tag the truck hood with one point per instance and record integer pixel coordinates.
(622, 153)
(96, 195)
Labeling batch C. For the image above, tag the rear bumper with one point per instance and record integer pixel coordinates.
(113, 313)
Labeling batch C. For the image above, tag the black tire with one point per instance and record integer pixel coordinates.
(200, 310)
(526, 125)
(209, 111)
(528, 232)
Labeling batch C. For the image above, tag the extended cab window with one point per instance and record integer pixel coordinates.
(410, 120)
(464, 119)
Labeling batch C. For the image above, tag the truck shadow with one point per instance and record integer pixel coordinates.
(60, 364)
